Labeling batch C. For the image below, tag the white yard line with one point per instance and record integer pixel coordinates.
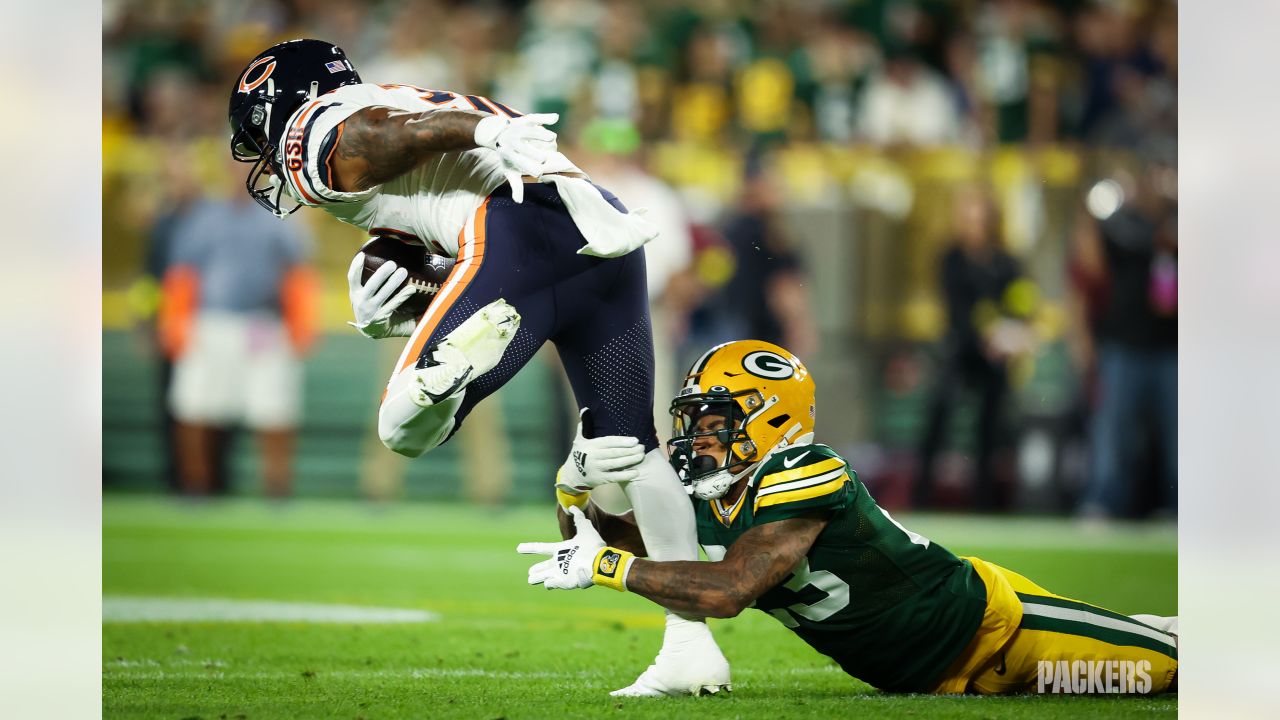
(176, 609)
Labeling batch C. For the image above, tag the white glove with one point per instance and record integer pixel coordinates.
(599, 460)
(522, 143)
(572, 562)
(375, 302)
(609, 233)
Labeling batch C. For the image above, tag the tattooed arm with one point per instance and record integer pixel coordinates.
(378, 144)
(755, 563)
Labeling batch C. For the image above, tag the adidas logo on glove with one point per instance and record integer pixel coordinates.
(564, 557)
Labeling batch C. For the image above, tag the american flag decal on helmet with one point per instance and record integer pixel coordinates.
(335, 66)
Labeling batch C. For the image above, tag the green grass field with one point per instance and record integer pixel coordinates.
(499, 648)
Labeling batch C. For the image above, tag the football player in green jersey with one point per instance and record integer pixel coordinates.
(790, 530)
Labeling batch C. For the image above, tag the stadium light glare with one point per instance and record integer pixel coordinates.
(1104, 198)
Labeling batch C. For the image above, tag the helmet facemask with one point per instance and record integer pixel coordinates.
(250, 144)
(695, 428)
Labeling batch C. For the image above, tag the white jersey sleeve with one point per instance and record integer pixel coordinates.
(309, 142)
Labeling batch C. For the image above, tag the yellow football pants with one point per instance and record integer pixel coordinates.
(1033, 641)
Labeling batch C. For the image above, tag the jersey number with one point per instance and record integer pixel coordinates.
(836, 600)
(836, 589)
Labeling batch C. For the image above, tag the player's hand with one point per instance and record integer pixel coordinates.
(522, 143)
(608, 231)
(375, 302)
(598, 460)
(572, 562)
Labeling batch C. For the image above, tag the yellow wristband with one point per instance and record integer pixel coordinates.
(610, 568)
(568, 500)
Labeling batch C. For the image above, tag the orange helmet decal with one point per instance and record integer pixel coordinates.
(246, 85)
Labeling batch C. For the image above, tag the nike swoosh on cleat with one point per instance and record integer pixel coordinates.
(790, 462)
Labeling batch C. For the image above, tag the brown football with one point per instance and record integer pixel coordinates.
(427, 272)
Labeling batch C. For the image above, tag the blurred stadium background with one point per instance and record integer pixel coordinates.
(961, 215)
(849, 144)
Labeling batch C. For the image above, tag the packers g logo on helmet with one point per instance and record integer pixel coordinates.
(764, 395)
(766, 364)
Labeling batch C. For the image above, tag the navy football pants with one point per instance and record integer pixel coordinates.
(595, 310)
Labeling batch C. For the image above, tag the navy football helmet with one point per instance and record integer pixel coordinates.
(278, 82)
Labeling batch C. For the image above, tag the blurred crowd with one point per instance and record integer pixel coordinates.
(1002, 173)
(913, 72)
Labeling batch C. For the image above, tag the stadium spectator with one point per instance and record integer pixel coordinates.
(987, 301)
(238, 312)
(1018, 70)
(183, 192)
(766, 298)
(908, 103)
(412, 51)
(1129, 261)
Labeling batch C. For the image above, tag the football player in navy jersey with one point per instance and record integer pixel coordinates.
(541, 254)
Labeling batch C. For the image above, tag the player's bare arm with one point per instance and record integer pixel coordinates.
(761, 559)
(620, 531)
(378, 144)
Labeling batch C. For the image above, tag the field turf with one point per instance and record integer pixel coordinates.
(498, 648)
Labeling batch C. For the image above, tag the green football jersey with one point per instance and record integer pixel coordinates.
(891, 607)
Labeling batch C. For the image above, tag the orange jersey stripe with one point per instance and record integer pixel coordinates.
(470, 257)
(299, 124)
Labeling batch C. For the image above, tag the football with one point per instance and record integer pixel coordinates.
(427, 272)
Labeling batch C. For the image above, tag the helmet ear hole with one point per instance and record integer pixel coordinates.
(777, 422)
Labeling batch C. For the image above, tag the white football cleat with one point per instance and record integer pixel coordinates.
(473, 348)
(690, 663)
(652, 684)
(1162, 623)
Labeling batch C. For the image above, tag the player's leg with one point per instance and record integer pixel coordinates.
(1063, 644)
(1164, 379)
(272, 390)
(207, 395)
(490, 317)
(993, 383)
(607, 352)
(940, 404)
(1113, 433)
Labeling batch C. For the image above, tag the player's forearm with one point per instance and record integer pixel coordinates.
(761, 559)
(711, 589)
(379, 144)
